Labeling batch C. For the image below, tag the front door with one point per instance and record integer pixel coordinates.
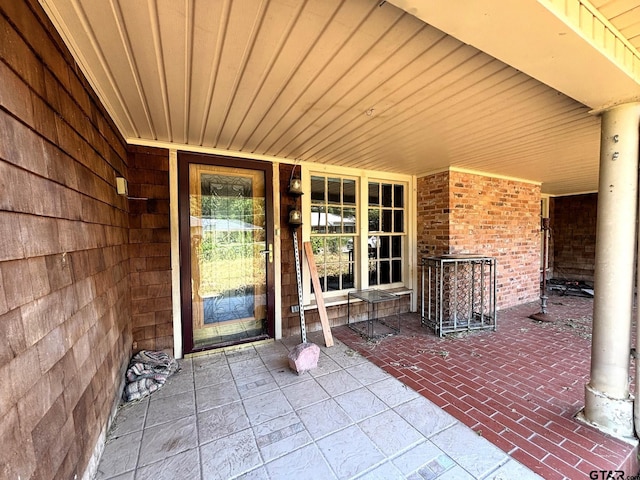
(226, 251)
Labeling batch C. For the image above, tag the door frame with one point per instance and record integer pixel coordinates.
(184, 159)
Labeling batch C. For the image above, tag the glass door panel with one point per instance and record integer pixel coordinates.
(228, 250)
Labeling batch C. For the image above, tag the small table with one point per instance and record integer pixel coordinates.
(375, 326)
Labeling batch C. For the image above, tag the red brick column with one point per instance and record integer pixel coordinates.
(460, 212)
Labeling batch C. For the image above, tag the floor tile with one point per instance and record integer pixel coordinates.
(323, 418)
(276, 362)
(392, 392)
(276, 424)
(247, 367)
(120, 455)
(386, 471)
(390, 432)
(167, 439)
(266, 406)
(325, 365)
(212, 375)
(336, 383)
(360, 404)
(124, 476)
(454, 473)
(436, 467)
(472, 452)
(216, 395)
(345, 356)
(367, 373)
(416, 457)
(286, 376)
(349, 452)
(253, 385)
(306, 463)
(259, 473)
(291, 342)
(280, 436)
(305, 393)
(168, 409)
(179, 382)
(272, 349)
(424, 416)
(513, 469)
(230, 456)
(186, 364)
(241, 354)
(221, 421)
(204, 361)
(183, 466)
(130, 418)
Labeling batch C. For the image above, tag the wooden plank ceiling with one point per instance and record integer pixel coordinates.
(624, 15)
(353, 83)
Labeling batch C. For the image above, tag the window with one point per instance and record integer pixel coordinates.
(386, 234)
(357, 227)
(334, 230)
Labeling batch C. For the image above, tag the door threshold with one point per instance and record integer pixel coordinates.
(230, 346)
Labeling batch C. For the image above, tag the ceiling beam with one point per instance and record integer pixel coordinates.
(565, 44)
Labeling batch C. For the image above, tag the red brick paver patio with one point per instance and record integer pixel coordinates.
(519, 387)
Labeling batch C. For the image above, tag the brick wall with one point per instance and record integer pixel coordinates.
(65, 334)
(150, 249)
(573, 235)
(488, 216)
(433, 215)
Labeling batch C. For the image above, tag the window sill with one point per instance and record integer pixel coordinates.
(342, 299)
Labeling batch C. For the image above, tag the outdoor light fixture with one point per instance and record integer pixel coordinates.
(295, 218)
(295, 186)
(121, 186)
(295, 190)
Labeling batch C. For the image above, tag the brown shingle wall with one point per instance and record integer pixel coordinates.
(65, 332)
(290, 321)
(466, 213)
(573, 236)
(150, 249)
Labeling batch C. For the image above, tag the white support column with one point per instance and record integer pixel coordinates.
(608, 404)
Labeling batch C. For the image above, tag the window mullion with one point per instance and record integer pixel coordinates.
(306, 237)
(362, 261)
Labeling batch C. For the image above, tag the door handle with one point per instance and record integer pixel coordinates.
(269, 251)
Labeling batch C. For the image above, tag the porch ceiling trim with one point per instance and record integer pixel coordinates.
(566, 44)
(479, 173)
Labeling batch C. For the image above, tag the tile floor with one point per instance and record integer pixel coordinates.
(244, 414)
(519, 387)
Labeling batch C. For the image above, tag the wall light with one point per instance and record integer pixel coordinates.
(295, 218)
(295, 186)
(121, 186)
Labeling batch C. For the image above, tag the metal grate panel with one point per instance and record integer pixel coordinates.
(458, 293)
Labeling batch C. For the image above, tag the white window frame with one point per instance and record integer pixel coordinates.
(328, 204)
(361, 264)
(380, 233)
